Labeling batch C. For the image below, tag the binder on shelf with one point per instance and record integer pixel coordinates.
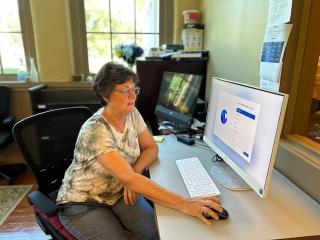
(161, 56)
(173, 47)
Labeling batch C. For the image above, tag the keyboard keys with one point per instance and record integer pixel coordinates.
(196, 178)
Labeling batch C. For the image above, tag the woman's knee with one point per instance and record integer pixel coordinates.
(138, 219)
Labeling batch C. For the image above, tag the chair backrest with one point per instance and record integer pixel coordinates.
(4, 102)
(47, 142)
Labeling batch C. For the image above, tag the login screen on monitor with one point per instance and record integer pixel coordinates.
(237, 123)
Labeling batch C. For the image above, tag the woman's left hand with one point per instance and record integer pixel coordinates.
(130, 196)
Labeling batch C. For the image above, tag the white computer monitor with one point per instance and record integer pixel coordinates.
(243, 127)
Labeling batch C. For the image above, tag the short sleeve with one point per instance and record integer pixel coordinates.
(94, 140)
(139, 122)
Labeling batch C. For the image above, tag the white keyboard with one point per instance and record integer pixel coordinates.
(196, 178)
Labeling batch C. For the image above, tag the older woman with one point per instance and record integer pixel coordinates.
(100, 193)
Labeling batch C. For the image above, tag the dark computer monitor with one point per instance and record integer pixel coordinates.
(178, 99)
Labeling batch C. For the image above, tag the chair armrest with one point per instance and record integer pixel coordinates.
(42, 202)
(8, 121)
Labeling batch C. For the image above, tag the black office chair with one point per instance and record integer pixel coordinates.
(47, 142)
(9, 171)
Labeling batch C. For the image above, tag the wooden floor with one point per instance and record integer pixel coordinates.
(21, 224)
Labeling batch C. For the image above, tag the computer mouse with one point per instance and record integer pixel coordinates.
(222, 216)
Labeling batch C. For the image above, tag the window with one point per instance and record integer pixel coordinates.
(113, 22)
(15, 28)
(11, 45)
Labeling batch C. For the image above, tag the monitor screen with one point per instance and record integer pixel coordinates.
(179, 91)
(178, 97)
(243, 126)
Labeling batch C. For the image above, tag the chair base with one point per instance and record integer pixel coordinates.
(11, 171)
(5, 138)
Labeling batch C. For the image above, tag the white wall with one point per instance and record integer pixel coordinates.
(234, 32)
(53, 40)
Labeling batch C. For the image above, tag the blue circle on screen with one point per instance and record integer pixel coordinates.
(224, 116)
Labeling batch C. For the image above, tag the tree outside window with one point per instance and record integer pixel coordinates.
(12, 54)
(112, 22)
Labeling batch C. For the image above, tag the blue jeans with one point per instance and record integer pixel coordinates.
(120, 221)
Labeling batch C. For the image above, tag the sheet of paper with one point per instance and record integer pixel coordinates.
(274, 45)
(279, 12)
(158, 138)
(267, 84)
(270, 71)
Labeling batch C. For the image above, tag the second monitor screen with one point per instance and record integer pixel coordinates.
(179, 91)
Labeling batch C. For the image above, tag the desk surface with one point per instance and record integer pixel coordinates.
(286, 212)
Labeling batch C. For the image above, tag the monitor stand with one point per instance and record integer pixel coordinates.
(226, 176)
(173, 127)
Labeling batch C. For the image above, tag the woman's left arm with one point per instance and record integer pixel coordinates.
(149, 151)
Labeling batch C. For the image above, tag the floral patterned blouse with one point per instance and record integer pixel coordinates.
(86, 180)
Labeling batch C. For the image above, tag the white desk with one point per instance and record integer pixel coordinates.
(286, 212)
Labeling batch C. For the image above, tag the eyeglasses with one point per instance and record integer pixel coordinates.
(126, 91)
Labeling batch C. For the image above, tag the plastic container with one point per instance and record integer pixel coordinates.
(34, 77)
(191, 16)
(192, 36)
(22, 73)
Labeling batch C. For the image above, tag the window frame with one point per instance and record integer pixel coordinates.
(79, 34)
(27, 37)
(299, 73)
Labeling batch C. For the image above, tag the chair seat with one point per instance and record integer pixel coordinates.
(55, 222)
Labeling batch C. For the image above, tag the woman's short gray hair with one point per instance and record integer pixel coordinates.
(108, 77)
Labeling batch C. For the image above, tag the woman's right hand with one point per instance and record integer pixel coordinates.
(197, 206)
(129, 196)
